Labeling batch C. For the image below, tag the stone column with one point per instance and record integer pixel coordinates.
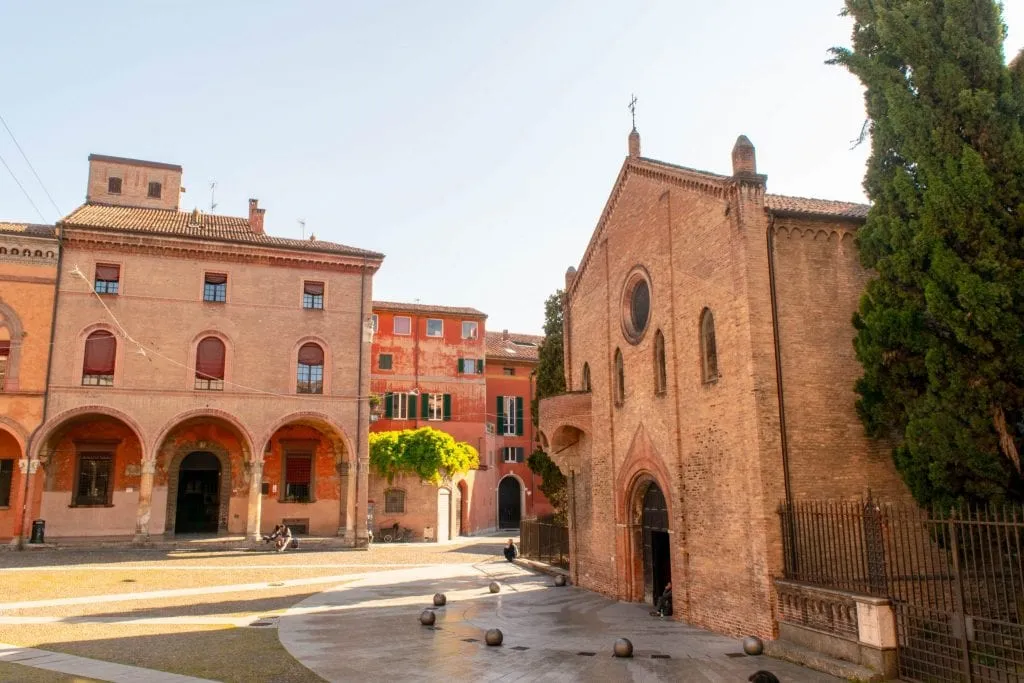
(255, 506)
(24, 492)
(362, 485)
(346, 500)
(145, 508)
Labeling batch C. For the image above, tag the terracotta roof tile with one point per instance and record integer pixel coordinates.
(815, 207)
(30, 229)
(524, 347)
(185, 224)
(426, 308)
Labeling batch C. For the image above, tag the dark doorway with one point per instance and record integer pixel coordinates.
(657, 556)
(198, 494)
(510, 496)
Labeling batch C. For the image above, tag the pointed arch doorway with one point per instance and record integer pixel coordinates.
(198, 498)
(654, 539)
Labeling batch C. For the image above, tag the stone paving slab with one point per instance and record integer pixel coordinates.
(89, 668)
(369, 631)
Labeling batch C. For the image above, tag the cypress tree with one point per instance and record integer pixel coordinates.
(940, 328)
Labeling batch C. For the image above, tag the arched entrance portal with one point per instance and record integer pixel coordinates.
(510, 498)
(198, 509)
(655, 539)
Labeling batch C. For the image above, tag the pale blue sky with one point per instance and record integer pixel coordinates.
(474, 143)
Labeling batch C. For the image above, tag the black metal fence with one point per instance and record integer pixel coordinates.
(544, 542)
(956, 579)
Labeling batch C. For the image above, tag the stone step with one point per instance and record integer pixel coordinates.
(790, 652)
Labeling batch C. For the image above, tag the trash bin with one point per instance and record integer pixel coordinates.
(38, 531)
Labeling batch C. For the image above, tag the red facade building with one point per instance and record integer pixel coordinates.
(428, 370)
(511, 364)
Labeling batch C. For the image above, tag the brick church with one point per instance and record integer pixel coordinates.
(710, 368)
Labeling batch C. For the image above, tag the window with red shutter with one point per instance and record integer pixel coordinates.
(100, 357)
(313, 295)
(310, 372)
(298, 477)
(210, 365)
(108, 278)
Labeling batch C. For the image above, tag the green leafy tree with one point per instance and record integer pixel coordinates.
(940, 329)
(430, 454)
(552, 483)
(550, 382)
(551, 362)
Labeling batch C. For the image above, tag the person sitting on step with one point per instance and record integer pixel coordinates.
(282, 537)
(663, 608)
(510, 551)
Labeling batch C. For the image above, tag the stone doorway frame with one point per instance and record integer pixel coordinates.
(635, 566)
(173, 475)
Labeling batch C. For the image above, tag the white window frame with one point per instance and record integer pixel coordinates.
(400, 406)
(440, 332)
(509, 428)
(508, 454)
(474, 329)
(394, 325)
(472, 366)
(435, 407)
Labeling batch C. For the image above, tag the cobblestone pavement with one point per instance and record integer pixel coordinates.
(369, 630)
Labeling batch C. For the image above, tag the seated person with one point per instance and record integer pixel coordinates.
(663, 607)
(510, 551)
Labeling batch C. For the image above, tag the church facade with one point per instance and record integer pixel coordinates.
(710, 371)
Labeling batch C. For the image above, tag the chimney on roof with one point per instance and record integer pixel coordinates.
(634, 143)
(744, 160)
(256, 216)
(504, 335)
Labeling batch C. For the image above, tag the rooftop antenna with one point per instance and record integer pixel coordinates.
(213, 194)
(302, 225)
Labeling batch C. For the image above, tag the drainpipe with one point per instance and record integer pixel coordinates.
(46, 393)
(533, 481)
(360, 427)
(783, 440)
(416, 369)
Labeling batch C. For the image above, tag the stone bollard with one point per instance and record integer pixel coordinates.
(559, 580)
(495, 586)
(427, 617)
(623, 648)
(752, 645)
(494, 637)
(440, 599)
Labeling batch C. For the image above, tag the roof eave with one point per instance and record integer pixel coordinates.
(372, 256)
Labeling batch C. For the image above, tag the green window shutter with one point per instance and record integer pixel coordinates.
(447, 406)
(389, 404)
(519, 454)
(498, 428)
(458, 366)
(519, 415)
(480, 367)
(424, 406)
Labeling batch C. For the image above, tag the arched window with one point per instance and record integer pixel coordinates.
(310, 379)
(660, 369)
(620, 379)
(210, 365)
(394, 502)
(100, 357)
(708, 351)
(585, 380)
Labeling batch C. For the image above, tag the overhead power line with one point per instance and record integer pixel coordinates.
(23, 190)
(31, 168)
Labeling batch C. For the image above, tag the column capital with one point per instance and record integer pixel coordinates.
(149, 466)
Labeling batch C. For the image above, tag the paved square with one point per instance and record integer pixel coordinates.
(369, 630)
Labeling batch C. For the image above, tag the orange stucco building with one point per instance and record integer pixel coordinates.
(28, 269)
(207, 376)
